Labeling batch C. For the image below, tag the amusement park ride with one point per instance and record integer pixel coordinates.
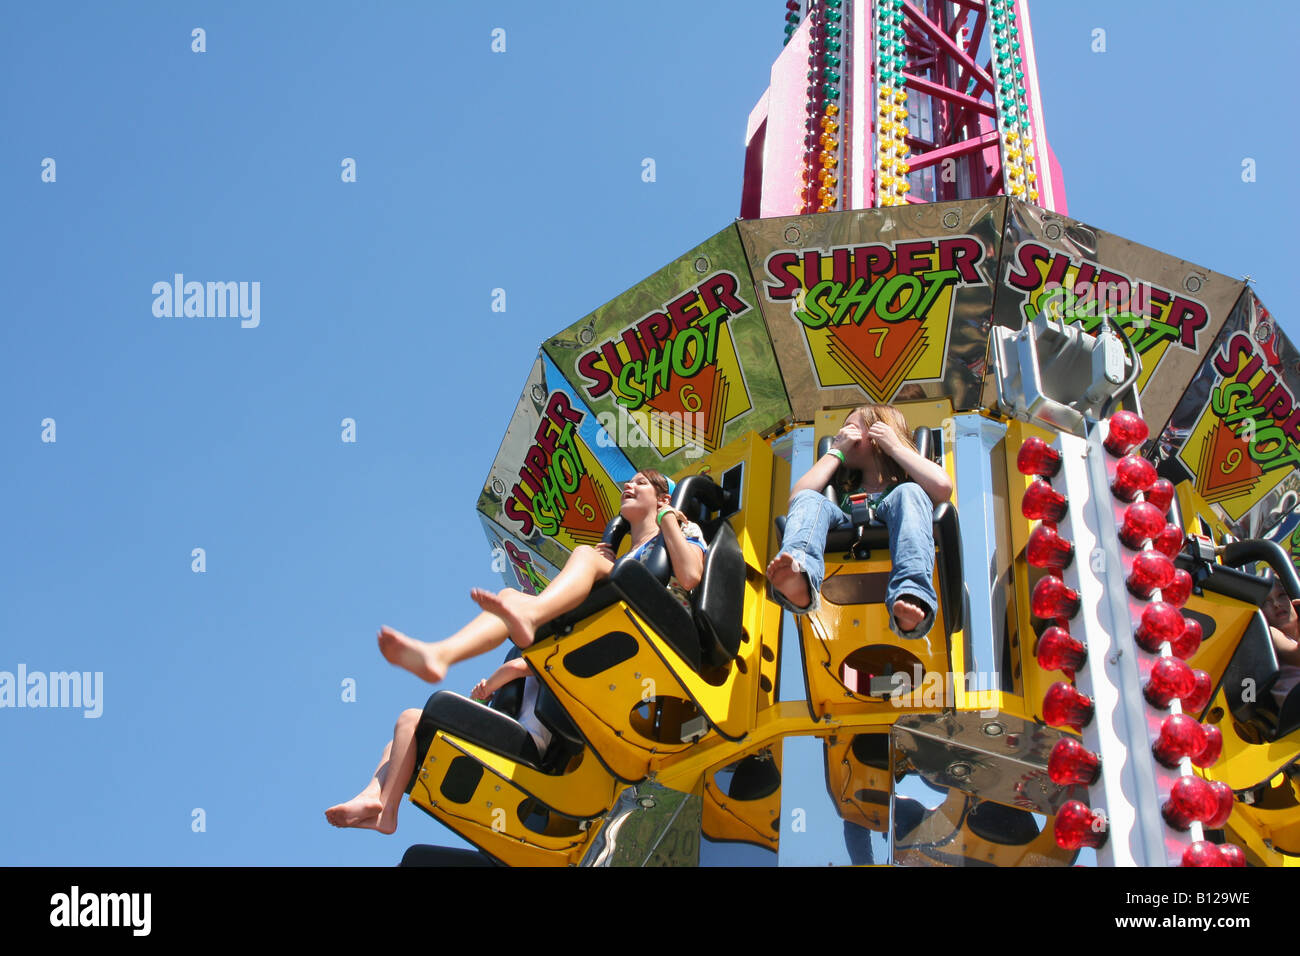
(1096, 687)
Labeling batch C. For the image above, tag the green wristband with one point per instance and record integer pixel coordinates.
(838, 454)
(660, 516)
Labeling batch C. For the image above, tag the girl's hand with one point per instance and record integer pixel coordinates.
(679, 515)
(605, 551)
(848, 438)
(886, 439)
(480, 691)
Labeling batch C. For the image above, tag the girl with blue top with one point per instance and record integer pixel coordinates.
(873, 453)
(510, 613)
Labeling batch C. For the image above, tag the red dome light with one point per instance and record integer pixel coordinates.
(1179, 588)
(1036, 457)
(1190, 799)
(1160, 622)
(1054, 599)
(1203, 853)
(1042, 502)
(1141, 522)
(1189, 641)
(1058, 651)
(1194, 700)
(1160, 494)
(1180, 736)
(1232, 854)
(1170, 679)
(1071, 762)
(1047, 549)
(1126, 432)
(1064, 705)
(1132, 475)
(1224, 799)
(1152, 571)
(1076, 827)
(1213, 747)
(1169, 541)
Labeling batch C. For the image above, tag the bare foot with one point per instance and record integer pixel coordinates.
(419, 658)
(789, 583)
(907, 615)
(509, 605)
(361, 811)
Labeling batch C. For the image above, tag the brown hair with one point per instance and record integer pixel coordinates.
(867, 415)
(657, 479)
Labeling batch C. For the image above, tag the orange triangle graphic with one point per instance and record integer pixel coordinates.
(880, 388)
(669, 412)
(1217, 478)
(879, 348)
(585, 515)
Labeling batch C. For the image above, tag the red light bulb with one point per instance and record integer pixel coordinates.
(1132, 475)
(1141, 522)
(1058, 651)
(1169, 541)
(1194, 700)
(1160, 622)
(1203, 853)
(1152, 571)
(1126, 432)
(1187, 643)
(1036, 457)
(1179, 588)
(1064, 705)
(1190, 799)
(1170, 679)
(1232, 854)
(1047, 549)
(1180, 736)
(1213, 747)
(1224, 799)
(1053, 598)
(1160, 494)
(1076, 827)
(1042, 502)
(1071, 762)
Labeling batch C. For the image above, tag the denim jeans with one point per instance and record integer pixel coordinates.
(906, 511)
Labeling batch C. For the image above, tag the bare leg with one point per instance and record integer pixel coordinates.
(375, 807)
(430, 660)
(523, 613)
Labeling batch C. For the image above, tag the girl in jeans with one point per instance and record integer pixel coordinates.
(873, 453)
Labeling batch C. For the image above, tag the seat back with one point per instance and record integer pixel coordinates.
(1253, 667)
(718, 603)
(566, 739)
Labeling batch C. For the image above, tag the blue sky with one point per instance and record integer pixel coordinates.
(475, 170)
